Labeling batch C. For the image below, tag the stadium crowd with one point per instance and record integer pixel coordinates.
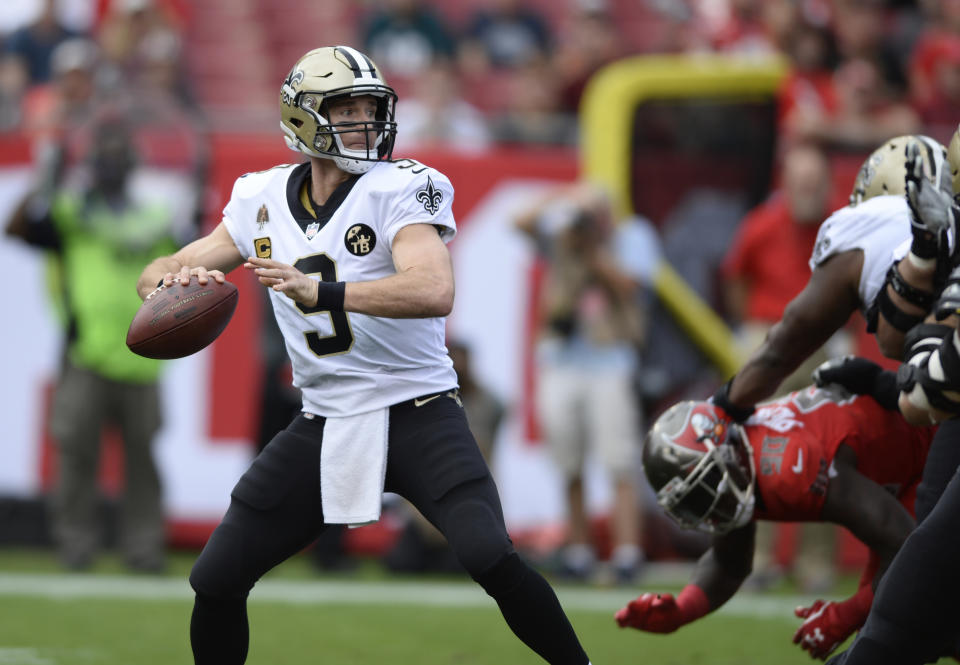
(471, 74)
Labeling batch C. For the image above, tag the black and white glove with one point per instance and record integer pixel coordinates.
(934, 216)
(860, 377)
(949, 301)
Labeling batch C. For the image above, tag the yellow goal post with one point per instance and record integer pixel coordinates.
(606, 124)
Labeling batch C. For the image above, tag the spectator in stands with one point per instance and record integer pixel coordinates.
(128, 34)
(437, 115)
(808, 89)
(936, 83)
(506, 35)
(405, 36)
(100, 234)
(765, 268)
(745, 30)
(68, 101)
(861, 31)
(532, 112)
(161, 67)
(590, 329)
(32, 45)
(867, 112)
(590, 41)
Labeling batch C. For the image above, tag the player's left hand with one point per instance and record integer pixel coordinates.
(934, 216)
(284, 278)
(823, 630)
(652, 612)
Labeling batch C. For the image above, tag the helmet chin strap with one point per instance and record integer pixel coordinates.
(354, 161)
(354, 166)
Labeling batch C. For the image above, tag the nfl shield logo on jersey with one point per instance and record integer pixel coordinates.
(312, 229)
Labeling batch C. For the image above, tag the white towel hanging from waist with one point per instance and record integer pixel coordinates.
(353, 465)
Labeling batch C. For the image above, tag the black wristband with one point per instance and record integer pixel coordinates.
(721, 398)
(330, 296)
(910, 293)
(924, 244)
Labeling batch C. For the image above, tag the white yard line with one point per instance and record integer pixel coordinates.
(320, 592)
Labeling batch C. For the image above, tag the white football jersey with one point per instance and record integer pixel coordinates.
(880, 227)
(346, 363)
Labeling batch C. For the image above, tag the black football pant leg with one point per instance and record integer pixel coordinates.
(943, 460)
(436, 465)
(274, 512)
(915, 614)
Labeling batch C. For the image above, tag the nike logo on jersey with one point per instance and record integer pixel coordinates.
(421, 402)
(798, 467)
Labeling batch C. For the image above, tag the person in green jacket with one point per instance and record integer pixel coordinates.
(100, 235)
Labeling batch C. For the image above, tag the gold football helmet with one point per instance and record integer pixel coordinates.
(953, 156)
(884, 172)
(324, 74)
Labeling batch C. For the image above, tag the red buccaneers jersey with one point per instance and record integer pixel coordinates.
(795, 438)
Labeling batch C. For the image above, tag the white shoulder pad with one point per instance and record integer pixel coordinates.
(251, 185)
(420, 195)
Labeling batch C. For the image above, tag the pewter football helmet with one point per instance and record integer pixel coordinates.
(884, 171)
(700, 464)
(324, 74)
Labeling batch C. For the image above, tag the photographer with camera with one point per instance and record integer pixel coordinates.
(590, 329)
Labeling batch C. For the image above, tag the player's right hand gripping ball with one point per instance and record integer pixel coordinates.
(176, 320)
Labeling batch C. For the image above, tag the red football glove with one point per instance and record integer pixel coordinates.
(826, 625)
(662, 613)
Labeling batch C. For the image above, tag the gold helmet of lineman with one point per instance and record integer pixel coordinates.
(953, 156)
(884, 171)
(324, 74)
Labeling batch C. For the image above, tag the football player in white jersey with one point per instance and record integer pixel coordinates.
(890, 257)
(352, 248)
(915, 616)
(885, 254)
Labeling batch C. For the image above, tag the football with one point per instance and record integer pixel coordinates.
(176, 321)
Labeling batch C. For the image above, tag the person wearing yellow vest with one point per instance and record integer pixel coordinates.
(100, 230)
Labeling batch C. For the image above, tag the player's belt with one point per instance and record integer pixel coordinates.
(423, 400)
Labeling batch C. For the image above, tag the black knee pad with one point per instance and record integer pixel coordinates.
(476, 535)
(218, 571)
(504, 576)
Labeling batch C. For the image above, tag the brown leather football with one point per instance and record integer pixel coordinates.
(176, 321)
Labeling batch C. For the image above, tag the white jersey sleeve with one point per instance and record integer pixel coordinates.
(879, 227)
(241, 215)
(421, 195)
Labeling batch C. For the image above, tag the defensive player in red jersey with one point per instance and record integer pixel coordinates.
(817, 454)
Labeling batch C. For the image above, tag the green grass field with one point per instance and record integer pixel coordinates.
(297, 616)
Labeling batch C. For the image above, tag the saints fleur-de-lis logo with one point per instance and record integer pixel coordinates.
(430, 197)
(262, 217)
